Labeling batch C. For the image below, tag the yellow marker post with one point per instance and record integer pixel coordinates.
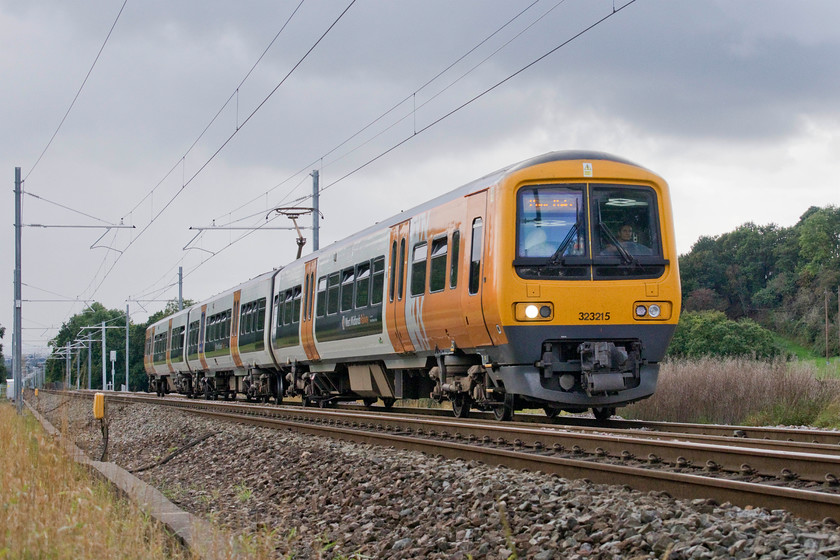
(99, 413)
(99, 406)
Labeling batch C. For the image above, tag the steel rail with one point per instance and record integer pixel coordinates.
(696, 432)
(488, 445)
(748, 457)
(808, 504)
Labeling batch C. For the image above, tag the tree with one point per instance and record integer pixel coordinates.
(77, 326)
(819, 239)
(777, 276)
(710, 333)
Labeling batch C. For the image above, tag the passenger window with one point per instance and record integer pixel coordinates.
(362, 284)
(393, 271)
(418, 269)
(306, 296)
(347, 277)
(475, 255)
(260, 326)
(296, 298)
(437, 269)
(278, 311)
(401, 280)
(456, 253)
(333, 284)
(321, 306)
(289, 312)
(378, 282)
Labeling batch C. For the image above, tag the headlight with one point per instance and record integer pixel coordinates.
(534, 311)
(652, 311)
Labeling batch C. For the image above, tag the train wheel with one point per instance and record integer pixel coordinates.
(602, 414)
(504, 412)
(551, 412)
(388, 402)
(461, 405)
(278, 388)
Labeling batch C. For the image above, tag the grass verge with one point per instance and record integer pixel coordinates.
(54, 508)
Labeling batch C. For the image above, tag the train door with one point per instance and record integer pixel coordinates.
(307, 323)
(395, 307)
(169, 348)
(202, 336)
(474, 258)
(234, 329)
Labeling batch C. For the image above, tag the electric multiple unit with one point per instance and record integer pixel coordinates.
(552, 283)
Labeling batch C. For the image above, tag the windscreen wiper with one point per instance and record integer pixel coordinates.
(558, 254)
(625, 255)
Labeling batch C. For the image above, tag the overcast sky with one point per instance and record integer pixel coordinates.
(734, 103)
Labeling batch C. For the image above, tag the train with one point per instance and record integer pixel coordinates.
(551, 284)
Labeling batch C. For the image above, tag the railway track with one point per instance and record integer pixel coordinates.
(744, 466)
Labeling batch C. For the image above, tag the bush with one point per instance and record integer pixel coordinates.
(710, 333)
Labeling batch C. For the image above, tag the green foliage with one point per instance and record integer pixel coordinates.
(90, 321)
(710, 333)
(776, 276)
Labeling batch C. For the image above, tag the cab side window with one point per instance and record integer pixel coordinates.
(475, 255)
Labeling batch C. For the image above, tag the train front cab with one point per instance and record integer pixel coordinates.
(587, 285)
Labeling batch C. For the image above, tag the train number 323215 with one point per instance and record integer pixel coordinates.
(594, 316)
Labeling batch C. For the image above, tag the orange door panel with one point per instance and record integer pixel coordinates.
(234, 334)
(169, 349)
(395, 309)
(307, 324)
(474, 261)
(202, 357)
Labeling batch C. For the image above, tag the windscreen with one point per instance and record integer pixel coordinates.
(550, 219)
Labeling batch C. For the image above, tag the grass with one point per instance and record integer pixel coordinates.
(825, 368)
(53, 508)
(742, 391)
(50, 507)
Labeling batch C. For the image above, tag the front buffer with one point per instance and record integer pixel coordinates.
(576, 368)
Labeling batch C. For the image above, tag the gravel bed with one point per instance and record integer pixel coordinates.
(321, 498)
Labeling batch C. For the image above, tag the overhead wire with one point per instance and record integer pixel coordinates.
(223, 145)
(362, 130)
(78, 92)
(195, 142)
(65, 207)
(442, 91)
(398, 104)
(479, 96)
(382, 154)
(451, 112)
(221, 109)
